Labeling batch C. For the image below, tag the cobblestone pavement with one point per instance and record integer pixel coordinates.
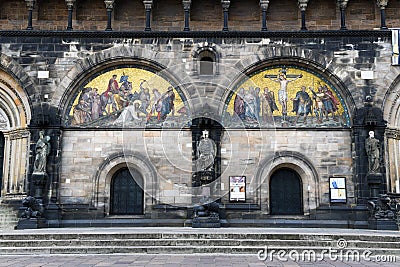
(168, 261)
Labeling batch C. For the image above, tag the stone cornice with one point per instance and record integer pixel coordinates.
(197, 34)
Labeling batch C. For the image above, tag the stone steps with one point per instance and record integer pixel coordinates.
(8, 217)
(187, 240)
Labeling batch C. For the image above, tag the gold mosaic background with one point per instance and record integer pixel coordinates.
(308, 80)
(136, 76)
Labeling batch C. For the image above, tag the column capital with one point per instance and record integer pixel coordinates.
(109, 4)
(70, 3)
(225, 4)
(303, 4)
(148, 4)
(343, 3)
(186, 4)
(382, 3)
(30, 4)
(264, 4)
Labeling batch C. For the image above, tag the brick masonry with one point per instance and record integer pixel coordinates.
(89, 157)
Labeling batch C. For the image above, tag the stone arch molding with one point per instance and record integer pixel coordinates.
(299, 163)
(113, 163)
(391, 101)
(15, 116)
(278, 55)
(121, 55)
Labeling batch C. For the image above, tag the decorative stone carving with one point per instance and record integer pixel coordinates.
(30, 4)
(225, 4)
(264, 4)
(109, 4)
(148, 4)
(382, 3)
(303, 4)
(70, 4)
(42, 150)
(343, 3)
(186, 4)
(383, 207)
(372, 147)
(33, 208)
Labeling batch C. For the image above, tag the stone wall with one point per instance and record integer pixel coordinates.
(205, 15)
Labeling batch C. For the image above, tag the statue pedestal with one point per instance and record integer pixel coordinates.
(382, 224)
(374, 181)
(39, 181)
(31, 223)
(206, 222)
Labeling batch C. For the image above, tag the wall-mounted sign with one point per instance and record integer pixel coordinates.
(237, 188)
(337, 186)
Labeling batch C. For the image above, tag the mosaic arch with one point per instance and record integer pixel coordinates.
(285, 96)
(128, 96)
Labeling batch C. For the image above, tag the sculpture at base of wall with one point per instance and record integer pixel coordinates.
(383, 208)
(33, 208)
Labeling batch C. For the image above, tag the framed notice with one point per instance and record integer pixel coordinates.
(237, 188)
(337, 189)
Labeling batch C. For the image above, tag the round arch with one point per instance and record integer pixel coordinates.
(111, 165)
(107, 60)
(312, 62)
(298, 163)
(15, 116)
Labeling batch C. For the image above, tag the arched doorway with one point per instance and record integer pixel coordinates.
(286, 193)
(1, 160)
(126, 193)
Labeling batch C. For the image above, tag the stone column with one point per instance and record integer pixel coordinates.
(303, 7)
(109, 7)
(70, 5)
(264, 7)
(225, 8)
(30, 4)
(186, 8)
(382, 5)
(343, 5)
(148, 5)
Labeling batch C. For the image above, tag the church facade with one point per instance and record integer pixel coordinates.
(137, 113)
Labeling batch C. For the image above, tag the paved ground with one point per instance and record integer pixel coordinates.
(169, 261)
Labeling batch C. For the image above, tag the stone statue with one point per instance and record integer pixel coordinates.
(372, 149)
(33, 208)
(42, 150)
(206, 152)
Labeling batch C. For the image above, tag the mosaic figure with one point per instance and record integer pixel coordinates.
(302, 104)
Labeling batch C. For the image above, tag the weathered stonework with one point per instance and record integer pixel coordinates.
(84, 159)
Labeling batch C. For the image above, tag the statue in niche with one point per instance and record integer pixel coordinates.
(42, 150)
(372, 148)
(206, 152)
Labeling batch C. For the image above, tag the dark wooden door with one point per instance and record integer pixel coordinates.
(286, 193)
(126, 193)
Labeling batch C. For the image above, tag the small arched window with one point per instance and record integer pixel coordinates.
(206, 66)
(207, 59)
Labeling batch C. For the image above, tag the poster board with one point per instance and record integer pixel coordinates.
(337, 190)
(237, 188)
